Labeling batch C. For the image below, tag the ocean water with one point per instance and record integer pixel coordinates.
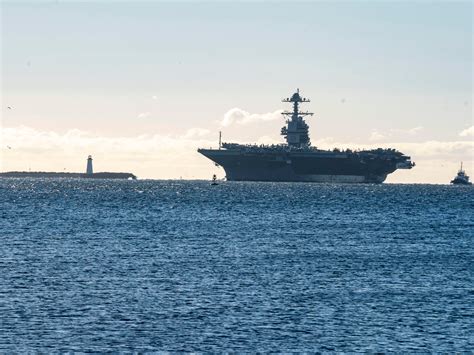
(96, 265)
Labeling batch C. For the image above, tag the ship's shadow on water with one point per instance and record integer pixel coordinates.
(97, 266)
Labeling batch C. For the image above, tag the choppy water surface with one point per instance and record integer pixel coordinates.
(185, 266)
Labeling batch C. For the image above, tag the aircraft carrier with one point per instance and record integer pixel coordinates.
(297, 160)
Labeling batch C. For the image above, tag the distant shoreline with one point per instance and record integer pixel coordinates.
(44, 174)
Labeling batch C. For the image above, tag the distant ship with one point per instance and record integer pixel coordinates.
(461, 178)
(297, 160)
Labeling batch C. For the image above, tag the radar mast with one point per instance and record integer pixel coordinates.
(296, 131)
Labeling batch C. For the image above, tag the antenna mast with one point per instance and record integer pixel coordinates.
(296, 130)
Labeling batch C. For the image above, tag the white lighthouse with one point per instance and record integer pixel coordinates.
(89, 170)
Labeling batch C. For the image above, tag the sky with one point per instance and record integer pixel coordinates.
(141, 85)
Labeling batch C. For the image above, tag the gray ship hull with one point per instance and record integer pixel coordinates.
(303, 166)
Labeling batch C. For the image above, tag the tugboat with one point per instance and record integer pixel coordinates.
(461, 178)
(214, 182)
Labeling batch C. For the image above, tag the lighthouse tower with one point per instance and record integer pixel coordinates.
(89, 165)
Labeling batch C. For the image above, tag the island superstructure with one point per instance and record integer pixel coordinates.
(297, 160)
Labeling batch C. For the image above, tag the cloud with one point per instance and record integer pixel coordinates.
(146, 155)
(27, 139)
(415, 130)
(468, 132)
(154, 97)
(438, 150)
(239, 116)
(394, 132)
(144, 115)
(434, 150)
(376, 136)
(196, 132)
(30, 139)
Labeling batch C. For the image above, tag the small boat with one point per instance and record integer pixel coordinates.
(214, 178)
(461, 178)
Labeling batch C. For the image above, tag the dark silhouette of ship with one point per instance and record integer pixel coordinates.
(461, 178)
(297, 160)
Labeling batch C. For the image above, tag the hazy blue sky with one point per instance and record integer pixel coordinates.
(141, 84)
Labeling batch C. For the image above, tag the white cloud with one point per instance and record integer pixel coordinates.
(437, 149)
(429, 149)
(394, 133)
(144, 115)
(23, 138)
(147, 155)
(154, 97)
(239, 116)
(196, 132)
(376, 136)
(413, 131)
(468, 132)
